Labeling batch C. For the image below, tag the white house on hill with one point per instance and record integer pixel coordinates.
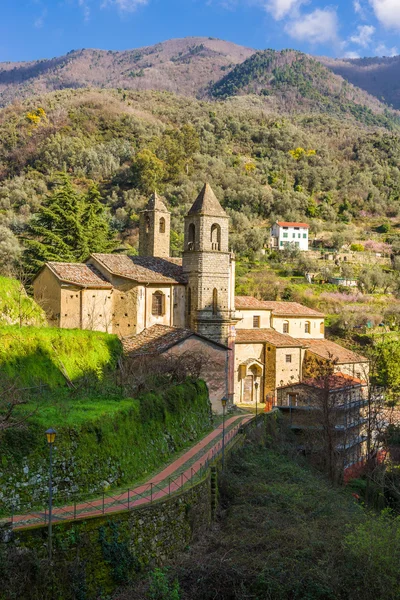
(285, 234)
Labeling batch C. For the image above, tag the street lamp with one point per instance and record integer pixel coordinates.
(51, 438)
(256, 388)
(224, 402)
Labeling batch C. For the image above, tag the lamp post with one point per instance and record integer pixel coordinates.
(256, 388)
(224, 401)
(51, 438)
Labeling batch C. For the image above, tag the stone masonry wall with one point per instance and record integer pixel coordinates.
(108, 550)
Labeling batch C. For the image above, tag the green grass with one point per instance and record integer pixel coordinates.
(63, 411)
(16, 307)
(45, 356)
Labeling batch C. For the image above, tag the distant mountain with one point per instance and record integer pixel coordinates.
(184, 66)
(377, 76)
(300, 83)
(288, 81)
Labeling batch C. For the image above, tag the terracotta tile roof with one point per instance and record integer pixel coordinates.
(334, 381)
(292, 309)
(154, 340)
(249, 302)
(289, 309)
(270, 336)
(79, 274)
(289, 224)
(207, 204)
(329, 350)
(157, 339)
(143, 269)
(155, 203)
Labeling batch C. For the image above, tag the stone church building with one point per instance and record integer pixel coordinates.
(159, 304)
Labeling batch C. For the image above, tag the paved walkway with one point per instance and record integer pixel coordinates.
(180, 473)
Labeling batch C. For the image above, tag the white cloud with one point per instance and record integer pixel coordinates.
(282, 8)
(360, 9)
(352, 55)
(39, 22)
(85, 8)
(364, 35)
(383, 50)
(316, 27)
(387, 12)
(125, 5)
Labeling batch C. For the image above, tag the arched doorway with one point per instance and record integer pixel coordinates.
(252, 374)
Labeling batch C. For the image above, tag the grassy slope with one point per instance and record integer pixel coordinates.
(32, 357)
(16, 306)
(40, 355)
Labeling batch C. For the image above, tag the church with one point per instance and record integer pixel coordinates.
(158, 304)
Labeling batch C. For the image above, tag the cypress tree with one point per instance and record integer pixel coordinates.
(67, 228)
(97, 232)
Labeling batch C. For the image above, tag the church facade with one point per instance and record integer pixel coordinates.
(267, 345)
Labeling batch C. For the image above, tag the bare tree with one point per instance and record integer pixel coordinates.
(144, 372)
(11, 398)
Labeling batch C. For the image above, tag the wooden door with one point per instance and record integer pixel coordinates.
(248, 387)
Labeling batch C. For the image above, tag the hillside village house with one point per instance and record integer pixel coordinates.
(284, 235)
(156, 303)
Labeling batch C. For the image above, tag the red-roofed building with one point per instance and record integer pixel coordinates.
(289, 234)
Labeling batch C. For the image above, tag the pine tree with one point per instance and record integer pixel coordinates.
(98, 236)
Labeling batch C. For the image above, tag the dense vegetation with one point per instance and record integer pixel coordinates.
(261, 165)
(302, 83)
(283, 534)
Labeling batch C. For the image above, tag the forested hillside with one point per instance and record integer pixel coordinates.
(261, 165)
(297, 82)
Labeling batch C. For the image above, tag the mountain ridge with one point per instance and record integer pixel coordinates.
(190, 66)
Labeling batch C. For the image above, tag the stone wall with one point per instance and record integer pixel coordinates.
(108, 551)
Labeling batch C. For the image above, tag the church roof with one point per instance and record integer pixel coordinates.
(155, 203)
(85, 276)
(288, 309)
(143, 269)
(329, 350)
(207, 204)
(158, 339)
(268, 336)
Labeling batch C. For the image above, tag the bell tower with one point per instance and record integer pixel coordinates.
(155, 229)
(209, 268)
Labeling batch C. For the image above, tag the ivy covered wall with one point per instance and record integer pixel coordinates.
(102, 453)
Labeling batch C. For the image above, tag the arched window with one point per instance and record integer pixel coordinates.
(189, 301)
(307, 327)
(147, 224)
(215, 301)
(285, 327)
(216, 237)
(158, 304)
(162, 225)
(191, 236)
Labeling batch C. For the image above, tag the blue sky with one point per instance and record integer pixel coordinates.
(31, 29)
